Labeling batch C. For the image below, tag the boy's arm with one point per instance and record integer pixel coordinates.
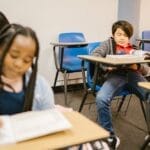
(101, 50)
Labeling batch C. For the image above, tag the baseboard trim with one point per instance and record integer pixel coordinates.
(71, 87)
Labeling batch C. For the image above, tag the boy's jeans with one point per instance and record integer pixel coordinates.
(113, 85)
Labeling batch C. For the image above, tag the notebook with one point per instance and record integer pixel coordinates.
(28, 125)
(126, 57)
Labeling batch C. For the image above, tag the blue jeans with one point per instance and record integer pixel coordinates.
(115, 83)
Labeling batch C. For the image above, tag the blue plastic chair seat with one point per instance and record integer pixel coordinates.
(72, 64)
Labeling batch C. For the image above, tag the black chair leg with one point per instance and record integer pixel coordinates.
(128, 104)
(120, 104)
(56, 76)
(143, 110)
(65, 86)
(83, 100)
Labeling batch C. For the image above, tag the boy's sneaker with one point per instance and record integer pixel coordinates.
(146, 138)
(100, 145)
(113, 142)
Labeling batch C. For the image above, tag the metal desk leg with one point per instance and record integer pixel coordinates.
(83, 75)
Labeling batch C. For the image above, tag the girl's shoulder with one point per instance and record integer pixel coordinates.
(40, 80)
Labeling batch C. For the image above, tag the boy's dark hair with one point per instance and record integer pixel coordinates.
(7, 36)
(3, 20)
(125, 26)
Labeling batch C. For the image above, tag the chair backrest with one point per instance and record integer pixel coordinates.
(91, 66)
(146, 35)
(73, 37)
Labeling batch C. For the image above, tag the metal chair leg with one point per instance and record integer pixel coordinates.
(120, 104)
(83, 100)
(65, 86)
(128, 104)
(143, 110)
(56, 76)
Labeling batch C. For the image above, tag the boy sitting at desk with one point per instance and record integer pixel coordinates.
(117, 78)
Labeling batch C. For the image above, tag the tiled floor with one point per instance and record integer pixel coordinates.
(130, 128)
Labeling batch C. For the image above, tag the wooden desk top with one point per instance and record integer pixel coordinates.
(83, 130)
(111, 61)
(69, 44)
(145, 85)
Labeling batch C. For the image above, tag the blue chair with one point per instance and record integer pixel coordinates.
(146, 35)
(68, 60)
(90, 74)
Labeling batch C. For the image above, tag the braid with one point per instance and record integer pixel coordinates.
(31, 87)
(32, 81)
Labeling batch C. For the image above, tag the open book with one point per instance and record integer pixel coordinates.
(135, 55)
(27, 125)
(125, 57)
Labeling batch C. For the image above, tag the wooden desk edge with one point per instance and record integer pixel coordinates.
(145, 85)
(44, 142)
(109, 61)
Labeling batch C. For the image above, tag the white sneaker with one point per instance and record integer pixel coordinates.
(113, 142)
(146, 137)
(100, 145)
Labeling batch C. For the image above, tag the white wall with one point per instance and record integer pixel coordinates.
(144, 16)
(130, 10)
(50, 17)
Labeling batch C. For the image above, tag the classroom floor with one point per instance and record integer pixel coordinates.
(130, 128)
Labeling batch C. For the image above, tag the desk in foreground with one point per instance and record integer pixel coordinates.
(83, 130)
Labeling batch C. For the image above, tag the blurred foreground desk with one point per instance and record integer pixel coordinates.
(83, 130)
(146, 85)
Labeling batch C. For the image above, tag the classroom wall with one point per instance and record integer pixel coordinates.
(50, 17)
(130, 10)
(144, 16)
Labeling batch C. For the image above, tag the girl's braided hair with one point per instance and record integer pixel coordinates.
(7, 36)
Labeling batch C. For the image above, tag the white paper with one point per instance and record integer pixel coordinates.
(6, 134)
(126, 57)
(32, 124)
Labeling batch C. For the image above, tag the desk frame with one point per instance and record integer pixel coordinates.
(108, 61)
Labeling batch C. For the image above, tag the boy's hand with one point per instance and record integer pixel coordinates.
(133, 67)
(147, 56)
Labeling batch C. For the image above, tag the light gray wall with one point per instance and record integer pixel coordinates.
(50, 17)
(144, 16)
(130, 10)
